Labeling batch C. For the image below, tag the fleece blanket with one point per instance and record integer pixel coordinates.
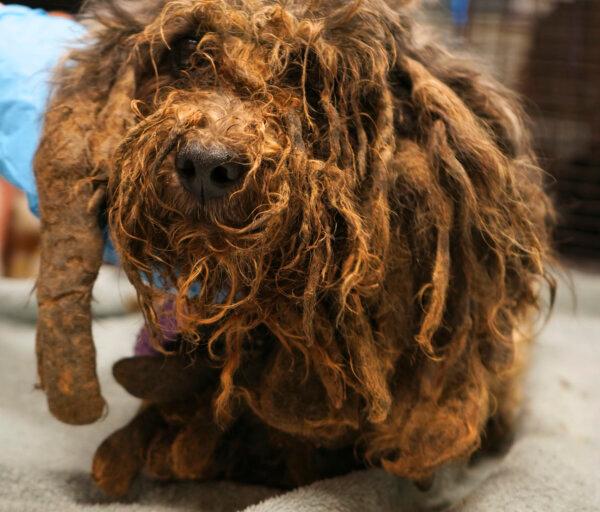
(554, 464)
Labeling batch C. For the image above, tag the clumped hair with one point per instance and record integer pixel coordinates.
(392, 232)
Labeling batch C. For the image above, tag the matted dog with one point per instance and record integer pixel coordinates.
(350, 229)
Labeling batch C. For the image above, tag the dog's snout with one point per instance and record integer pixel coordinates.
(208, 172)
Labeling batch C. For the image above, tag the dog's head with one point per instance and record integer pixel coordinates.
(259, 167)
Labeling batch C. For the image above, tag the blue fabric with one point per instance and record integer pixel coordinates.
(31, 45)
(460, 11)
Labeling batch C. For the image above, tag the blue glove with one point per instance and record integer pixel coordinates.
(31, 45)
(460, 11)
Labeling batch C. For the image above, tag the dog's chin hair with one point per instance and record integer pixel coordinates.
(218, 212)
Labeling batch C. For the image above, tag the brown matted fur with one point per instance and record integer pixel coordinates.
(391, 233)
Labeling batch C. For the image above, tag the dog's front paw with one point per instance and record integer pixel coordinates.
(172, 437)
(121, 457)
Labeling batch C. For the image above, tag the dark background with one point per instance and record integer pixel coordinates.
(64, 5)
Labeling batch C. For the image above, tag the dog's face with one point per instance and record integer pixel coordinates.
(226, 95)
(259, 151)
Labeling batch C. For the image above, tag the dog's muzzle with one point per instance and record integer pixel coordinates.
(208, 172)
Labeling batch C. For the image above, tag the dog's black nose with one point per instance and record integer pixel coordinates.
(208, 172)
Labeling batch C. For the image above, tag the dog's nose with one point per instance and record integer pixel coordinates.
(208, 172)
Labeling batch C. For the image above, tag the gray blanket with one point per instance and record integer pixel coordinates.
(554, 464)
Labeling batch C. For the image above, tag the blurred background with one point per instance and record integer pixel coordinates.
(547, 50)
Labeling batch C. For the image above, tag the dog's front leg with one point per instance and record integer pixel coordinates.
(71, 255)
(72, 165)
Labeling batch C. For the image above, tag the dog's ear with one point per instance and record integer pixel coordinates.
(88, 114)
(468, 177)
(470, 208)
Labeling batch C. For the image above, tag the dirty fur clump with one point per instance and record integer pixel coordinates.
(362, 296)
